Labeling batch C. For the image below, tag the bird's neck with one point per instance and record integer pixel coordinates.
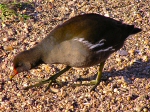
(45, 47)
(35, 55)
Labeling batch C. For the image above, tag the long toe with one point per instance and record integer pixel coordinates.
(36, 85)
(94, 87)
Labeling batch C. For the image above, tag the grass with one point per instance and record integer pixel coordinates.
(14, 11)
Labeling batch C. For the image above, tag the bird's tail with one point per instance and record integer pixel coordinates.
(133, 30)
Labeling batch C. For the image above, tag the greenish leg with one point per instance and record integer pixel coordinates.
(98, 78)
(50, 80)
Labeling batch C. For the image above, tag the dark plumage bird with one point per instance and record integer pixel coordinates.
(82, 41)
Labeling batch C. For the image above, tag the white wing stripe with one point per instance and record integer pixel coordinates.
(93, 46)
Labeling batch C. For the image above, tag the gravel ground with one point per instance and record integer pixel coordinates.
(126, 87)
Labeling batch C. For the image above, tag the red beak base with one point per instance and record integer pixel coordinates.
(15, 73)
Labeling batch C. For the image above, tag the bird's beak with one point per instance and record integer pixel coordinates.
(15, 73)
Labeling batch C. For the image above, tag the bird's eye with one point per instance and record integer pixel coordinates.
(20, 64)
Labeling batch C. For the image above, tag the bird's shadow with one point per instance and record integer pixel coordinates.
(138, 69)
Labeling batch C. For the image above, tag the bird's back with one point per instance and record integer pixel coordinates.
(92, 27)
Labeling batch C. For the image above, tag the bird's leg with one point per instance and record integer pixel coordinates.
(50, 80)
(54, 77)
(99, 75)
(98, 78)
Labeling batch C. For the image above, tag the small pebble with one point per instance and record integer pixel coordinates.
(30, 102)
(8, 48)
(18, 94)
(54, 90)
(115, 90)
(118, 59)
(5, 39)
(145, 110)
(122, 53)
(128, 98)
(25, 85)
(138, 108)
(131, 52)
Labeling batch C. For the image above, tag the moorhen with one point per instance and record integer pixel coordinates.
(82, 41)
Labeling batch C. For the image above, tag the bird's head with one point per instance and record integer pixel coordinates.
(20, 63)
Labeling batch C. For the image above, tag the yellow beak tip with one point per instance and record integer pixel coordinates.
(10, 78)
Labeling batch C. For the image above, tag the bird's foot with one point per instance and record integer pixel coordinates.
(51, 80)
(50, 83)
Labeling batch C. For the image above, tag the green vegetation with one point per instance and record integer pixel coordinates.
(14, 11)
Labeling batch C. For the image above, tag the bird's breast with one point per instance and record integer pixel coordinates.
(77, 53)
